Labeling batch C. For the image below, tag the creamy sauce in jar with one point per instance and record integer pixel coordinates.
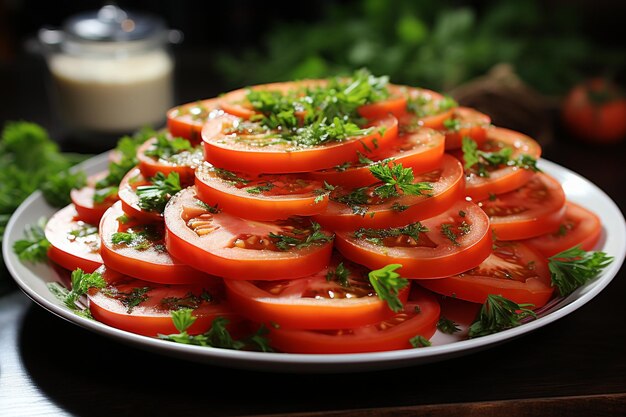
(113, 94)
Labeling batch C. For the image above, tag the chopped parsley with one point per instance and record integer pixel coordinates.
(340, 274)
(497, 314)
(377, 236)
(387, 283)
(575, 267)
(154, 197)
(300, 239)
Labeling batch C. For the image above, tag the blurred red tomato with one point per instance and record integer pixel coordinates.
(595, 111)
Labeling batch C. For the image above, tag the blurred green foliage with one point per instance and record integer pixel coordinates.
(434, 44)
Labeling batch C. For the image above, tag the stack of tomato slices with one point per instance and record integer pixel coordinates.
(266, 230)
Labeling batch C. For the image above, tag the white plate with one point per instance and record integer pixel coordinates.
(33, 279)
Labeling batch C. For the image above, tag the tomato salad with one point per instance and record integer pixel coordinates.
(323, 216)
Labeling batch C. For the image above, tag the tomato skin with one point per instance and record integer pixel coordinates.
(421, 150)
(390, 334)
(433, 118)
(595, 120)
(395, 104)
(528, 211)
(88, 210)
(225, 152)
(237, 201)
(288, 305)
(185, 168)
(68, 251)
(580, 227)
(147, 318)
(186, 120)
(130, 201)
(425, 262)
(473, 124)
(476, 284)
(149, 264)
(210, 253)
(507, 178)
(446, 192)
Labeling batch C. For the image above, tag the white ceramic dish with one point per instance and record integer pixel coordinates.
(33, 279)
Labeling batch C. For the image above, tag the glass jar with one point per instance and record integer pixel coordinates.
(111, 71)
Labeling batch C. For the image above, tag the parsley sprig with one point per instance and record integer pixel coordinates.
(575, 267)
(165, 148)
(154, 197)
(340, 274)
(387, 283)
(34, 246)
(217, 336)
(397, 181)
(479, 161)
(81, 283)
(497, 314)
(300, 239)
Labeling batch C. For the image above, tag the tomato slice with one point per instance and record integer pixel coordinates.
(318, 301)
(421, 150)
(395, 104)
(129, 199)
(73, 243)
(419, 318)
(236, 102)
(186, 120)
(346, 212)
(260, 197)
(513, 270)
(528, 211)
(466, 122)
(84, 202)
(183, 163)
(453, 242)
(232, 247)
(145, 308)
(265, 152)
(578, 227)
(143, 254)
(505, 178)
(425, 108)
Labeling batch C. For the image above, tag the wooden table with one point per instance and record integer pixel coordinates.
(575, 366)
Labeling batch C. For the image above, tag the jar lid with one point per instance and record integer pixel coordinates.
(113, 24)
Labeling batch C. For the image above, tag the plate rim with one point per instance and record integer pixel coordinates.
(317, 363)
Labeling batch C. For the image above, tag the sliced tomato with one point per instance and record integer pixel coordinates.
(130, 201)
(183, 163)
(419, 318)
(501, 179)
(421, 150)
(146, 308)
(453, 242)
(318, 301)
(266, 152)
(513, 270)
(529, 211)
(236, 102)
(73, 243)
(186, 120)
(466, 122)
(369, 210)
(232, 247)
(395, 104)
(425, 108)
(579, 226)
(90, 204)
(260, 197)
(144, 257)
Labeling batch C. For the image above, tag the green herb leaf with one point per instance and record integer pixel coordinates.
(56, 188)
(387, 283)
(340, 274)
(34, 246)
(376, 236)
(397, 179)
(575, 267)
(154, 197)
(419, 341)
(314, 237)
(497, 314)
(447, 326)
(165, 148)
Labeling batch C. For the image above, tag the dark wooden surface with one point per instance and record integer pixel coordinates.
(575, 366)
